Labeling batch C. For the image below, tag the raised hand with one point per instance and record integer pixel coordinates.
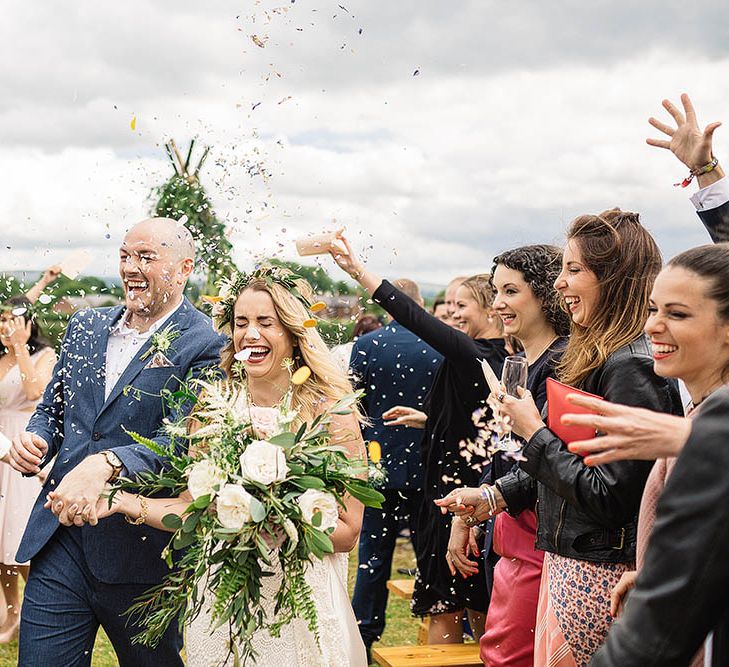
(15, 333)
(27, 451)
(686, 141)
(402, 415)
(629, 432)
(351, 264)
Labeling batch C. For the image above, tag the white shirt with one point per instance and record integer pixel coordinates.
(712, 196)
(123, 345)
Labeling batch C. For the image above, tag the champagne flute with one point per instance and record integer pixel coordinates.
(514, 374)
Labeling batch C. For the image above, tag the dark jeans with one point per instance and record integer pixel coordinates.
(380, 528)
(64, 605)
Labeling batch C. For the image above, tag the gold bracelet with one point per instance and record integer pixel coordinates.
(143, 512)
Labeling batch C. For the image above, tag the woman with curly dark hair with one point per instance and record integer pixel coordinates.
(529, 307)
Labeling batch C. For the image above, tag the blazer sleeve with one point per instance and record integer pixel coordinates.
(609, 493)
(451, 343)
(138, 458)
(716, 221)
(47, 419)
(680, 593)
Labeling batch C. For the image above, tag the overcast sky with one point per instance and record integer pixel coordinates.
(437, 133)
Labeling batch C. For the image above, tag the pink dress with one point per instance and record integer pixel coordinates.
(508, 638)
(17, 493)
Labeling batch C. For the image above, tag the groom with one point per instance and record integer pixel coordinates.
(82, 577)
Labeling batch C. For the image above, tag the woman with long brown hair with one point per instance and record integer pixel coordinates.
(587, 516)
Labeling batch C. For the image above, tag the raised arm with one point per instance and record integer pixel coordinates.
(49, 275)
(451, 343)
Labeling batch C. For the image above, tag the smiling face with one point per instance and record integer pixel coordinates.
(577, 284)
(441, 312)
(154, 269)
(515, 303)
(469, 316)
(261, 337)
(689, 339)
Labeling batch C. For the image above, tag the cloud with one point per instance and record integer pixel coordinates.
(521, 117)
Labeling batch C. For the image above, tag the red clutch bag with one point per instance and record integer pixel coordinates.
(557, 405)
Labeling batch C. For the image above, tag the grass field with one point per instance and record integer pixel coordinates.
(401, 629)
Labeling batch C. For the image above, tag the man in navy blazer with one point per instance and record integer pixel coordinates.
(393, 367)
(109, 377)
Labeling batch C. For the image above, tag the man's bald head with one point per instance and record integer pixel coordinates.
(156, 259)
(166, 233)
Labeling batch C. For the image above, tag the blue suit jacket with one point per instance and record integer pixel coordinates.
(394, 367)
(76, 421)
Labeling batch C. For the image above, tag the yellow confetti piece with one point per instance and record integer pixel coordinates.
(319, 305)
(210, 298)
(301, 375)
(310, 323)
(133, 124)
(375, 451)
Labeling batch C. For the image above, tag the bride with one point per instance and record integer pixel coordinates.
(267, 329)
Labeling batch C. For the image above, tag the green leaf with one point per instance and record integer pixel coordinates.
(191, 522)
(300, 432)
(316, 519)
(201, 502)
(258, 510)
(365, 494)
(172, 521)
(308, 482)
(322, 541)
(183, 540)
(285, 440)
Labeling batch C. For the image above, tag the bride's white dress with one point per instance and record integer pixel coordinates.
(340, 644)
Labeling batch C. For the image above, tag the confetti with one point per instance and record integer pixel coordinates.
(17, 312)
(45, 299)
(301, 375)
(133, 124)
(211, 298)
(416, 72)
(310, 323)
(319, 305)
(375, 451)
(243, 355)
(258, 41)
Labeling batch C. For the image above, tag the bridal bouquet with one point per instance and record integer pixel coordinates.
(261, 491)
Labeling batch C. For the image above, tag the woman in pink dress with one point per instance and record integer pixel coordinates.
(26, 364)
(529, 307)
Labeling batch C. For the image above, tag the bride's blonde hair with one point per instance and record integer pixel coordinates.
(328, 381)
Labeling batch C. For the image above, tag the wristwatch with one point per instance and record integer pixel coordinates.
(115, 462)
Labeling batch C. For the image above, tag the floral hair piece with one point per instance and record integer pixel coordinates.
(231, 287)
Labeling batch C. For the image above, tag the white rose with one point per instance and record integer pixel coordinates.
(313, 501)
(203, 477)
(233, 506)
(265, 421)
(264, 463)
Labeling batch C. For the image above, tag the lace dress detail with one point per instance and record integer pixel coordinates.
(340, 644)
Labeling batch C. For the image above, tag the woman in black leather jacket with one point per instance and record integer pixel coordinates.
(586, 516)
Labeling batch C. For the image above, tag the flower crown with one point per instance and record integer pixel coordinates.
(231, 287)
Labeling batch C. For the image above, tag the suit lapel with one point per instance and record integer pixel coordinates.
(180, 318)
(98, 360)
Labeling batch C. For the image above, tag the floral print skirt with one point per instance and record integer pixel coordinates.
(573, 616)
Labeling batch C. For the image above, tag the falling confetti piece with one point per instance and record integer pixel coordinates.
(375, 451)
(133, 124)
(258, 41)
(243, 355)
(310, 323)
(416, 72)
(319, 305)
(301, 375)
(254, 333)
(255, 106)
(211, 298)
(183, 220)
(17, 312)
(45, 299)
(288, 97)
